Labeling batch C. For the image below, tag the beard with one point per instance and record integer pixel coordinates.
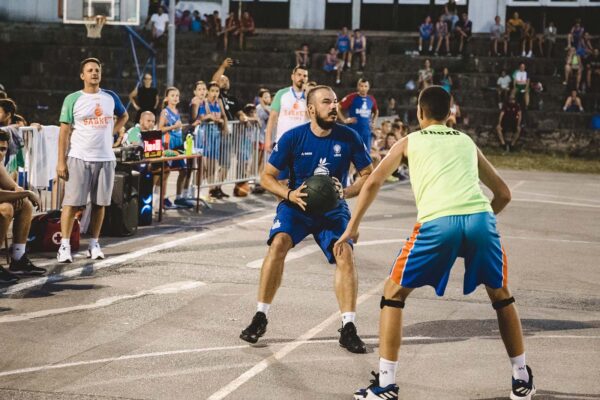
(324, 124)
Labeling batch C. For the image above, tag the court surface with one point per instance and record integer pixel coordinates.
(161, 316)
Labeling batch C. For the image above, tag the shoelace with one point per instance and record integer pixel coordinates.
(375, 381)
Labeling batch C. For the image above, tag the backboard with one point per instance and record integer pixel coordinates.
(117, 12)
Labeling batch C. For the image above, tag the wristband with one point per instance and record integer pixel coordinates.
(288, 195)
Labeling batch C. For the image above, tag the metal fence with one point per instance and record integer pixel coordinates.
(230, 155)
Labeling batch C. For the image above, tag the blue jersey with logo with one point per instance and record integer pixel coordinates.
(174, 139)
(343, 43)
(360, 108)
(306, 154)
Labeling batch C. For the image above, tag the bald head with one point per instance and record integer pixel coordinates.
(147, 121)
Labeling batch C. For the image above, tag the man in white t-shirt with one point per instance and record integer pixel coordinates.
(86, 160)
(288, 110)
(503, 87)
(159, 21)
(521, 86)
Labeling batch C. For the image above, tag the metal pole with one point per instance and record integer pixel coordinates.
(171, 46)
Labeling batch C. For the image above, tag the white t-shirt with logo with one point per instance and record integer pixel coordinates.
(91, 116)
(291, 107)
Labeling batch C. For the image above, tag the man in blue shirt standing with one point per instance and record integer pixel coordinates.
(361, 109)
(320, 147)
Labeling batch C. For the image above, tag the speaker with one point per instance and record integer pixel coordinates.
(121, 217)
(145, 196)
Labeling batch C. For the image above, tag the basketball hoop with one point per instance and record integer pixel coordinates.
(94, 25)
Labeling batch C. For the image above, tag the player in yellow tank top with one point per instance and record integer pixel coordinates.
(455, 219)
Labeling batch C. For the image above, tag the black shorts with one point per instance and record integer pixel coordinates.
(509, 126)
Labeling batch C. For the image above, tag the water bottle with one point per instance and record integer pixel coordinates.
(189, 144)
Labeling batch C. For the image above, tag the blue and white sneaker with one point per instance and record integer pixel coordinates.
(376, 392)
(522, 390)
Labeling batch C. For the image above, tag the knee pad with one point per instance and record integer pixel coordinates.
(503, 303)
(390, 303)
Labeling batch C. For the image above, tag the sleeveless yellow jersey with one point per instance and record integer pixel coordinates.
(444, 174)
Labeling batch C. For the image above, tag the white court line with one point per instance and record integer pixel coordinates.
(47, 367)
(288, 348)
(169, 288)
(313, 248)
(517, 185)
(93, 267)
(563, 203)
(558, 197)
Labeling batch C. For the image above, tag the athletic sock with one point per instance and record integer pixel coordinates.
(17, 251)
(348, 317)
(387, 372)
(93, 243)
(65, 242)
(519, 370)
(263, 308)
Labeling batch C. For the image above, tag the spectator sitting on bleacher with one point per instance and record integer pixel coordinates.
(133, 137)
(247, 27)
(15, 204)
(576, 34)
(527, 37)
(549, 39)
(391, 107)
(514, 28)
(585, 47)
(333, 64)
(303, 55)
(521, 85)
(592, 71)
(342, 45)
(441, 34)
(232, 28)
(503, 87)
(509, 120)
(573, 103)
(425, 76)
(573, 65)
(463, 31)
(498, 34)
(445, 80)
(426, 34)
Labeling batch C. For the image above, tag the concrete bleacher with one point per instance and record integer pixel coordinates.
(44, 68)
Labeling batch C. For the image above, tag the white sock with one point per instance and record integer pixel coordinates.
(420, 48)
(387, 372)
(93, 243)
(263, 308)
(17, 251)
(65, 242)
(348, 317)
(518, 367)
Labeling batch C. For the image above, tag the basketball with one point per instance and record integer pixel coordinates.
(322, 194)
(241, 189)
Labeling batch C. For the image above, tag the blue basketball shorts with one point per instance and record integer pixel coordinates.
(212, 142)
(428, 255)
(326, 229)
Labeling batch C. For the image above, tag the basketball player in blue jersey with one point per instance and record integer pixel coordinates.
(361, 109)
(320, 147)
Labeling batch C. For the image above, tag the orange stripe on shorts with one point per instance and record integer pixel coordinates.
(504, 267)
(398, 270)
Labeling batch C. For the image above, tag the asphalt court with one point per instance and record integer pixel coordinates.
(162, 320)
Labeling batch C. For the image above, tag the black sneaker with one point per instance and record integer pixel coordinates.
(216, 193)
(349, 339)
(522, 390)
(7, 277)
(258, 189)
(25, 267)
(223, 194)
(256, 329)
